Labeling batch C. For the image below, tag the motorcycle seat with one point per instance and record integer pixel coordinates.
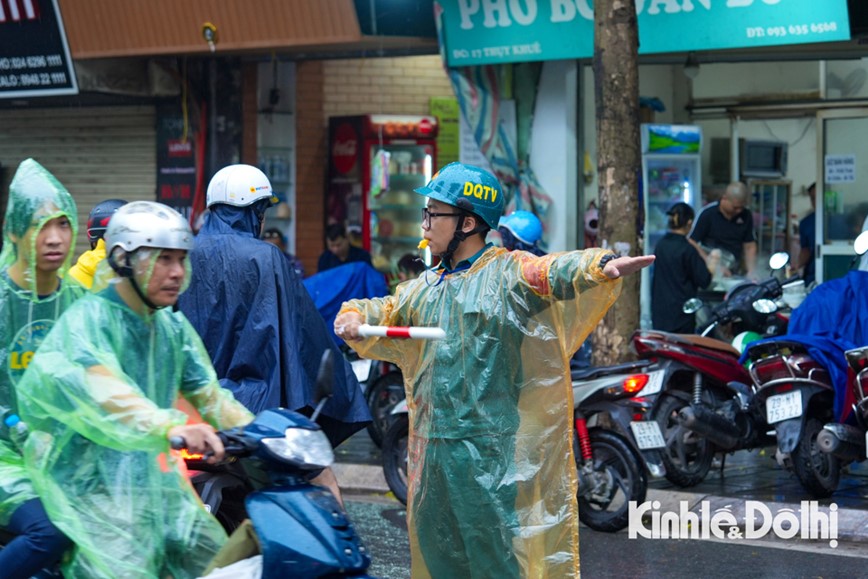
(710, 343)
(598, 371)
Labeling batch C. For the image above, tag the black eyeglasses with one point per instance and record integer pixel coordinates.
(427, 215)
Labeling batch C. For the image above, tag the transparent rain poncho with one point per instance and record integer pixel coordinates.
(492, 479)
(100, 397)
(35, 198)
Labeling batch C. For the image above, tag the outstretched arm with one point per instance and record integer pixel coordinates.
(621, 266)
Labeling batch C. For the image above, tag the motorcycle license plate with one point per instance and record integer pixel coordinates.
(647, 435)
(361, 368)
(654, 385)
(784, 406)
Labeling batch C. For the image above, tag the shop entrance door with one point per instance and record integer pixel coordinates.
(842, 188)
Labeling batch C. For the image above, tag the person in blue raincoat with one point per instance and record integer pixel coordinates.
(38, 238)
(491, 478)
(259, 324)
(100, 399)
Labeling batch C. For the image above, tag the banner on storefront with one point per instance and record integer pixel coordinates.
(34, 55)
(502, 31)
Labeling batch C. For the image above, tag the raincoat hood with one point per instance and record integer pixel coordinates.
(35, 198)
(225, 219)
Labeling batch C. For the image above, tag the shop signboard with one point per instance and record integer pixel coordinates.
(176, 161)
(501, 31)
(34, 55)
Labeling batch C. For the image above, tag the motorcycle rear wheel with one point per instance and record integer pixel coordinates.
(616, 458)
(385, 393)
(687, 456)
(395, 456)
(818, 472)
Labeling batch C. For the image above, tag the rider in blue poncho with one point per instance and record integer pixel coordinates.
(258, 323)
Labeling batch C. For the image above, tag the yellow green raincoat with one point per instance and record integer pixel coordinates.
(99, 398)
(492, 479)
(35, 197)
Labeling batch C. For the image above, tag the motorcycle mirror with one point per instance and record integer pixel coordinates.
(765, 306)
(325, 378)
(861, 243)
(692, 306)
(779, 260)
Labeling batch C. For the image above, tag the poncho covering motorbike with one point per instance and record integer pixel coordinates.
(99, 398)
(260, 326)
(35, 197)
(492, 480)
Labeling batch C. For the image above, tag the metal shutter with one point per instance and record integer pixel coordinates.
(96, 152)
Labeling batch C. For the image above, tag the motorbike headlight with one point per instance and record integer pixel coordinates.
(308, 449)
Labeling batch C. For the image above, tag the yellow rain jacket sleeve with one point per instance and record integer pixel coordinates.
(99, 398)
(492, 480)
(85, 268)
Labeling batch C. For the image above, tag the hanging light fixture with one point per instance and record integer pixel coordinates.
(691, 66)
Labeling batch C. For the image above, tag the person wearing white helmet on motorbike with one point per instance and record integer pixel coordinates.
(100, 400)
(522, 231)
(490, 464)
(258, 322)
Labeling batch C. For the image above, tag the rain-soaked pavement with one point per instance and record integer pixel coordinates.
(380, 522)
(747, 476)
(754, 475)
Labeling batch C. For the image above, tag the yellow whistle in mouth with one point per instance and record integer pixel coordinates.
(423, 244)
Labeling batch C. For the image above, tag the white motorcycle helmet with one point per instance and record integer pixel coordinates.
(239, 185)
(148, 224)
(137, 233)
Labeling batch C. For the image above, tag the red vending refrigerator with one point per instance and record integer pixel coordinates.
(375, 163)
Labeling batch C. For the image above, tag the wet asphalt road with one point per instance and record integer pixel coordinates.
(382, 526)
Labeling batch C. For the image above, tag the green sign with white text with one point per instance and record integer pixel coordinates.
(501, 31)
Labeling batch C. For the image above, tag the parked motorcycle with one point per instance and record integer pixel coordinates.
(383, 385)
(706, 404)
(848, 442)
(802, 380)
(301, 528)
(610, 468)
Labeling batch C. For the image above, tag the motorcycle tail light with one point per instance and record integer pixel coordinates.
(772, 368)
(635, 383)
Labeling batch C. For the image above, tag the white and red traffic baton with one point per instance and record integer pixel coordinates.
(411, 332)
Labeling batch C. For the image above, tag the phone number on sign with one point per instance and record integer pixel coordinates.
(791, 30)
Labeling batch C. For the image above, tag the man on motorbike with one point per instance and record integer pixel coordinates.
(490, 448)
(38, 234)
(100, 400)
(257, 320)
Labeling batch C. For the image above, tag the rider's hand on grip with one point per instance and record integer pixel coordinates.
(199, 439)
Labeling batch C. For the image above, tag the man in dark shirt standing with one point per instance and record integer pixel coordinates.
(339, 251)
(728, 225)
(679, 272)
(808, 237)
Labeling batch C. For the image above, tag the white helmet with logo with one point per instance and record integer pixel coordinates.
(148, 224)
(239, 185)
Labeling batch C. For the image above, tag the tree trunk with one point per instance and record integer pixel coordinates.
(616, 82)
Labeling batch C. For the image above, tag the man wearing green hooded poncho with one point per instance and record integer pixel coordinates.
(100, 396)
(492, 480)
(38, 235)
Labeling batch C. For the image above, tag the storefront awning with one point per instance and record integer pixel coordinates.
(112, 28)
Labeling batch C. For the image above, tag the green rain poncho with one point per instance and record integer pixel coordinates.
(35, 197)
(492, 479)
(99, 398)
